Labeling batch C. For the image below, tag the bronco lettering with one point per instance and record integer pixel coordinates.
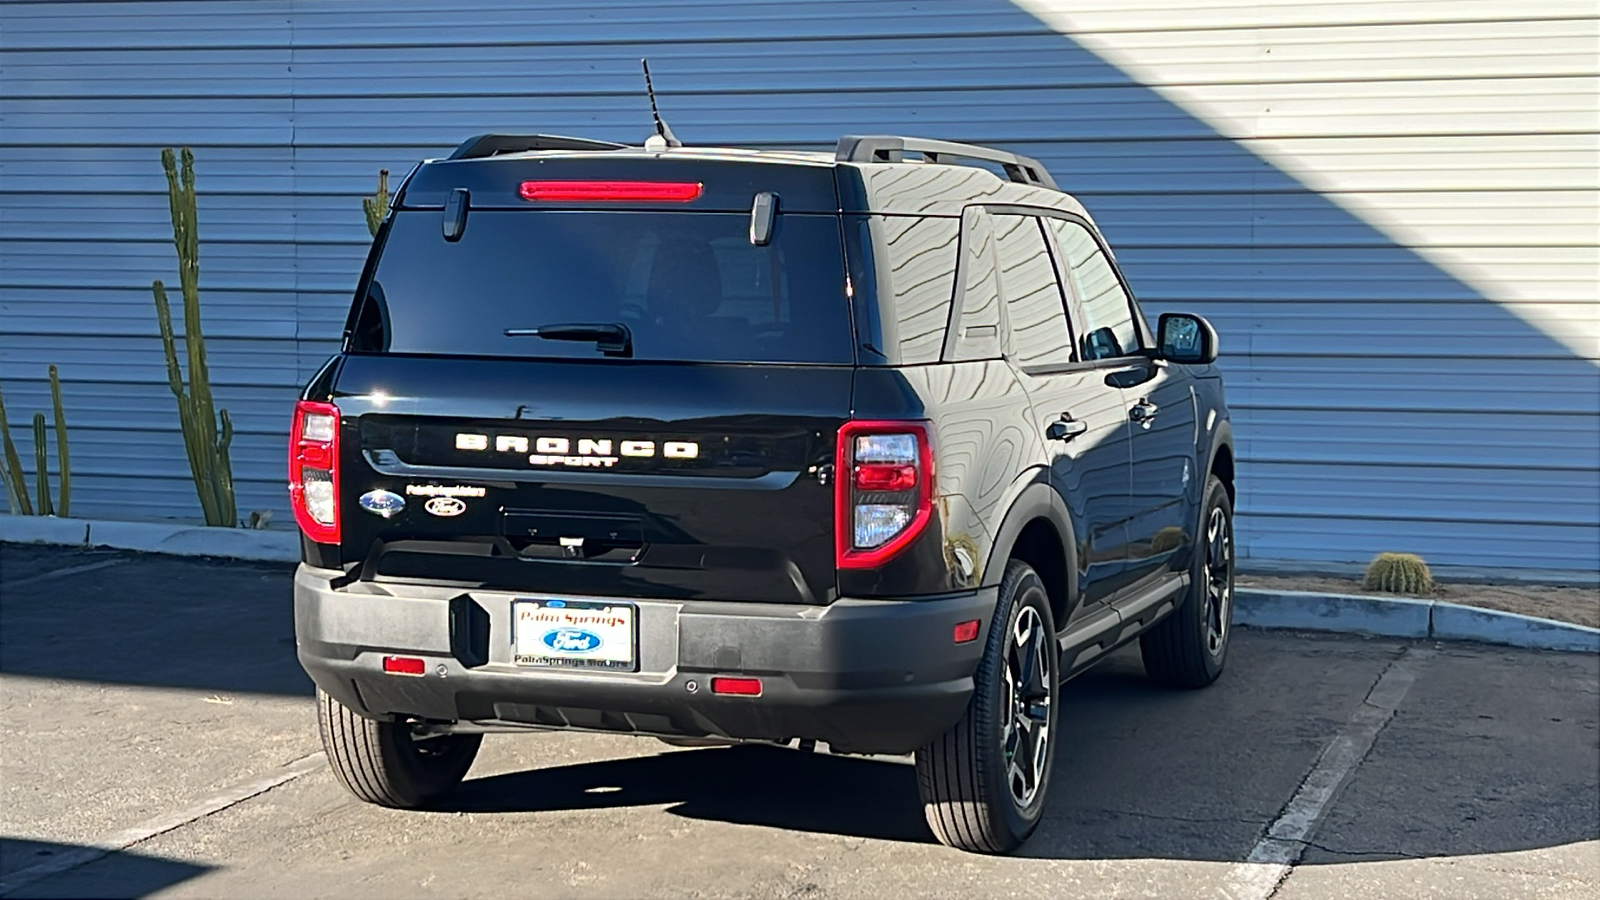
(580, 453)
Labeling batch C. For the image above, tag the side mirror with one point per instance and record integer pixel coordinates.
(1186, 338)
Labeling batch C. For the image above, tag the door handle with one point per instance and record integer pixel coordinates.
(1066, 428)
(1143, 411)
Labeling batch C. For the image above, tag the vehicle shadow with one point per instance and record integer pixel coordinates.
(866, 797)
(1142, 772)
(116, 874)
(750, 785)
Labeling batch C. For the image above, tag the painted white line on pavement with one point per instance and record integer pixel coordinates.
(57, 573)
(1271, 859)
(128, 837)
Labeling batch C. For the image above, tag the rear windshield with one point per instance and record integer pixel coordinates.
(686, 285)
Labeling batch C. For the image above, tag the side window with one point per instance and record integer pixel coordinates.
(1034, 307)
(922, 275)
(977, 335)
(1107, 330)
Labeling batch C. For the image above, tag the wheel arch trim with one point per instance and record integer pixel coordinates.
(1036, 501)
(1222, 439)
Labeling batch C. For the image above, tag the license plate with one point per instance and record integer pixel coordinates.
(574, 634)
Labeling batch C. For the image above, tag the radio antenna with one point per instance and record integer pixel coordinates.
(663, 133)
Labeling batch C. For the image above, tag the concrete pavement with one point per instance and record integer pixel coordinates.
(137, 692)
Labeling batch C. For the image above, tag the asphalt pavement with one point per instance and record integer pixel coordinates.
(157, 738)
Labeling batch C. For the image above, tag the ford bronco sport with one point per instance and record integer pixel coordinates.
(868, 448)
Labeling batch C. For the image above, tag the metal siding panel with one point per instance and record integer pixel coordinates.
(1200, 15)
(84, 229)
(1447, 404)
(1294, 93)
(1388, 392)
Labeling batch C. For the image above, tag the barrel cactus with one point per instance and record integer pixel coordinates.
(1398, 573)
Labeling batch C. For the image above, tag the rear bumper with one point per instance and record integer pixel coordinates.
(863, 675)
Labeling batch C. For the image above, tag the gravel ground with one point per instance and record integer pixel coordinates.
(1564, 604)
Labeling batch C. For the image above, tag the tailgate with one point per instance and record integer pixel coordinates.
(608, 478)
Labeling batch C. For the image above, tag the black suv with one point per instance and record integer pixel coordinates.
(714, 445)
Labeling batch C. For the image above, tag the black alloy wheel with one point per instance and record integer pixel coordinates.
(1029, 678)
(1217, 575)
(1190, 646)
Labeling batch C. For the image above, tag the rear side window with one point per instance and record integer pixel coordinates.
(977, 333)
(921, 254)
(1108, 330)
(1034, 307)
(688, 286)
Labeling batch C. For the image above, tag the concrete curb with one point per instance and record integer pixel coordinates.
(1407, 618)
(1292, 610)
(154, 537)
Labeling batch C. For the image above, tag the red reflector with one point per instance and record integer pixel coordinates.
(885, 477)
(404, 665)
(744, 687)
(966, 632)
(663, 191)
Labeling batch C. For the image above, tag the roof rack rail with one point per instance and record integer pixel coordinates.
(889, 148)
(485, 145)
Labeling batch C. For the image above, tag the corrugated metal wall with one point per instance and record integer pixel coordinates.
(1388, 209)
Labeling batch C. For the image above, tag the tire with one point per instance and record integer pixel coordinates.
(382, 763)
(1188, 648)
(977, 794)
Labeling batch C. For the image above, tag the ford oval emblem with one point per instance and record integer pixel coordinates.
(445, 506)
(383, 503)
(572, 640)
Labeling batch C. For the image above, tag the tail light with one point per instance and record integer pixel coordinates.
(314, 470)
(884, 491)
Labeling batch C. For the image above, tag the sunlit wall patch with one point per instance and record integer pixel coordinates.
(384, 503)
(445, 506)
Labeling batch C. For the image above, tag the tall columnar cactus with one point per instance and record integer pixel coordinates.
(377, 206)
(16, 486)
(16, 482)
(63, 459)
(1398, 573)
(42, 465)
(207, 448)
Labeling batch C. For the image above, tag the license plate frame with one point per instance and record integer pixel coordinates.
(587, 635)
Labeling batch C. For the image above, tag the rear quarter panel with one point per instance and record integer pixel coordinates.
(982, 445)
(1214, 428)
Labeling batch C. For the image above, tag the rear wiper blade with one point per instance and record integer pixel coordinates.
(611, 338)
